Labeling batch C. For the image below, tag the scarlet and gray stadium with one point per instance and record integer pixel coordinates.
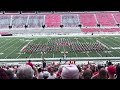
(53, 37)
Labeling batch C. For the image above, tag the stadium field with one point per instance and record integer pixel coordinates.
(11, 47)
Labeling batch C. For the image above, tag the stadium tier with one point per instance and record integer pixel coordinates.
(105, 19)
(53, 20)
(87, 19)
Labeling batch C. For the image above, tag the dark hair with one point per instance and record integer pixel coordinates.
(109, 63)
(10, 74)
(103, 73)
(29, 60)
(87, 74)
(3, 74)
(118, 72)
(39, 69)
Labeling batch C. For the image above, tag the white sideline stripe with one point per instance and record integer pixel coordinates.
(14, 50)
(74, 51)
(106, 45)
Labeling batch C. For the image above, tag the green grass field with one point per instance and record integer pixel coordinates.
(10, 47)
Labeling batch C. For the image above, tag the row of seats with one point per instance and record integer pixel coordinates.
(100, 30)
(55, 20)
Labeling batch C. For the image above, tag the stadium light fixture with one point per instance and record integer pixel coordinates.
(98, 25)
(43, 26)
(61, 26)
(80, 25)
(118, 24)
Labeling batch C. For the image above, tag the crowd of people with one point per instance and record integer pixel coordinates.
(54, 46)
(66, 70)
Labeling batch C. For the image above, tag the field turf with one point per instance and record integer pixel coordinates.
(10, 47)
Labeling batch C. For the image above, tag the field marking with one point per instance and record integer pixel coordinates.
(26, 45)
(102, 44)
(115, 40)
(73, 50)
(7, 43)
(107, 45)
(113, 43)
(14, 49)
(85, 52)
(32, 52)
(96, 51)
(3, 41)
(9, 47)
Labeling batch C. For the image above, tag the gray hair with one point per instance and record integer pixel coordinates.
(25, 72)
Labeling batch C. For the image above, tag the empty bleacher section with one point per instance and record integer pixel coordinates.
(35, 21)
(117, 17)
(53, 20)
(70, 20)
(87, 19)
(105, 19)
(109, 22)
(110, 29)
(4, 21)
(19, 21)
(86, 30)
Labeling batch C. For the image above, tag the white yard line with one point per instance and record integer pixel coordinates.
(14, 50)
(9, 47)
(96, 51)
(26, 45)
(32, 53)
(115, 40)
(85, 52)
(7, 43)
(74, 51)
(2, 42)
(107, 45)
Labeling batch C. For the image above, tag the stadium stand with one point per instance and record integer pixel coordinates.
(88, 19)
(53, 20)
(35, 21)
(4, 21)
(117, 17)
(19, 21)
(90, 29)
(105, 19)
(66, 43)
(70, 20)
(110, 29)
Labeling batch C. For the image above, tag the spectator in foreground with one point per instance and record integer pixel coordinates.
(10, 74)
(87, 74)
(101, 75)
(118, 72)
(40, 74)
(25, 72)
(70, 72)
(3, 74)
(111, 72)
(52, 75)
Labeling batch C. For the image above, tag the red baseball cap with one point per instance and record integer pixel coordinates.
(111, 69)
